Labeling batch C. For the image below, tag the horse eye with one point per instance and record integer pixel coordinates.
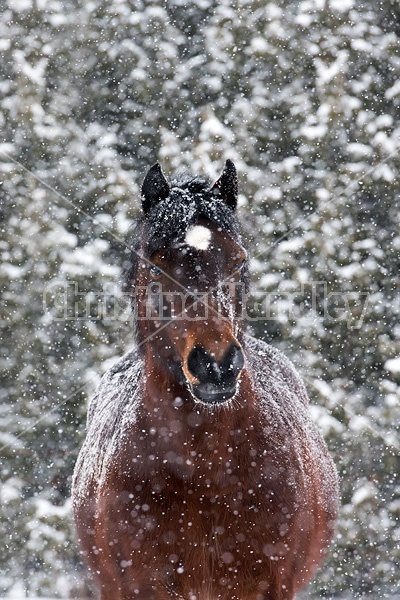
(155, 271)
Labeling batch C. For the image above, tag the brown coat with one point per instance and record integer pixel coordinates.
(173, 499)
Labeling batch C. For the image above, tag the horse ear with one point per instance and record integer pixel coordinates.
(155, 188)
(227, 185)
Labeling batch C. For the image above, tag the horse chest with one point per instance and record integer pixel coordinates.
(222, 472)
(189, 499)
(221, 541)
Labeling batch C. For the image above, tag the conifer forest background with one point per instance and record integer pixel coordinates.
(304, 97)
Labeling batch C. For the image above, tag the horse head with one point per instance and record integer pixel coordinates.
(190, 279)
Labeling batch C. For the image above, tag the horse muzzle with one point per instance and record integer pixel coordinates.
(208, 393)
(212, 381)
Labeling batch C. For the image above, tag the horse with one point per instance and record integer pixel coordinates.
(202, 475)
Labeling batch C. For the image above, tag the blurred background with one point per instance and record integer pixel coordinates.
(304, 97)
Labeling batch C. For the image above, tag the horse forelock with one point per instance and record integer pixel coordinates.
(166, 223)
(190, 199)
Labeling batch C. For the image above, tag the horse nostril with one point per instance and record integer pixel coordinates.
(202, 365)
(233, 361)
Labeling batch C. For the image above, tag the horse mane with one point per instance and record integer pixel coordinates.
(190, 199)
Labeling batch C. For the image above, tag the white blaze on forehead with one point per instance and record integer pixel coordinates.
(198, 237)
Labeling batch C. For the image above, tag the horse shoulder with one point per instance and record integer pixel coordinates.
(283, 405)
(271, 367)
(112, 408)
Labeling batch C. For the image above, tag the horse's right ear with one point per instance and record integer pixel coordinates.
(155, 188)
(227, 186)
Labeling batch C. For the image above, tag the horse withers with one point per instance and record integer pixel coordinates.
(202, 476)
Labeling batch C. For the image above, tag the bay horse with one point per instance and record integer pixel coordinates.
(202, 476)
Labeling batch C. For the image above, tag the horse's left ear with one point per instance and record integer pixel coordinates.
(155, 187)
(227, 185)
